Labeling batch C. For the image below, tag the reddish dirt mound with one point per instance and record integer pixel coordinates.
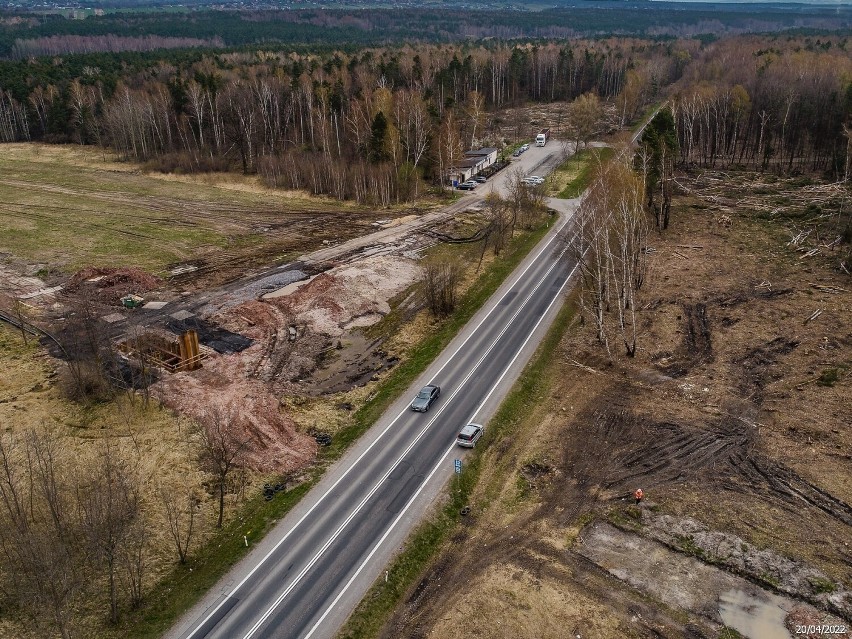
(274, 445)
(111, 284)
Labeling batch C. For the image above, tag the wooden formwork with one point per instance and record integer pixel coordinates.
(172, 352)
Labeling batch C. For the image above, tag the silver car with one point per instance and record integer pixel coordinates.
(469, 435)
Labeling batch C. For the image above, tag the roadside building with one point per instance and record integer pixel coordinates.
(473, 163)
(487, 154)
(465, 169)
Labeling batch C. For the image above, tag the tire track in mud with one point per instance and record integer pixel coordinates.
(636, 451)
(780, 480)
(756, 364)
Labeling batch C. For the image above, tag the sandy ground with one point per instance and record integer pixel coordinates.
(733, 418)
(258, 388)
(250, 385)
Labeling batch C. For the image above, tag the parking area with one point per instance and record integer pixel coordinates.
(536, 160)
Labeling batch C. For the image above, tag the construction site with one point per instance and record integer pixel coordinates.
(733, 417)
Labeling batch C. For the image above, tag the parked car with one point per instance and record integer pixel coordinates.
(467, 186)
(469, 435)
(535, 179)
(425, 398)
(524, 147)
(481, 179)
(516, 153)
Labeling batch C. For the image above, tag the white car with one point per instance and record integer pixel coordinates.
(469, 435)
(535, 179)
(524, 147)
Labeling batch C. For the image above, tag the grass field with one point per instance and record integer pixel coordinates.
(68, 207)
(573, 176)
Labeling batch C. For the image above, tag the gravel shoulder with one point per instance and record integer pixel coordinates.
(733, 418)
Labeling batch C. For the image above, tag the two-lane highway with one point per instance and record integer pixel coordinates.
(314, 568)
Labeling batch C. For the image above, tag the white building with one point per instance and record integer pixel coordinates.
(488, 154)
(473, 163)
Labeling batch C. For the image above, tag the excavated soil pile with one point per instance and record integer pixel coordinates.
(109, 285)
(272, 443)
(293, 335)
(300, 332)
(329, 302)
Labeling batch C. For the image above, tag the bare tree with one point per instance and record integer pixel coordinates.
(21, 316)
(449, 146)
(441, 278)
(501, 218)
(109, 506)
(42, 562)
(88, 353)
(608, 242)
(223, 447)
(180, 513)
(134, 558)
(475, 113)
(526, 201)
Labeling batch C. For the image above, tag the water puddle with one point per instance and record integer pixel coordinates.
(756, 615)
(685, 583)
(291, 287)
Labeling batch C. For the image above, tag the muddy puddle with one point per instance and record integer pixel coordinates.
(683, 582)
(354, 363)
(755, 615)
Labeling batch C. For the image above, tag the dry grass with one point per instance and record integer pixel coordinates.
(70, 207)
(163, 446)
(511, 566)
(498, 604)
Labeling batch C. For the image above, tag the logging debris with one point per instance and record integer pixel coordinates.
(814, 315)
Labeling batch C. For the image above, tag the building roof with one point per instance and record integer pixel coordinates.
(484, 151)
(467, 163)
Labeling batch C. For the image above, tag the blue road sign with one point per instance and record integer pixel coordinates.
(458, 465)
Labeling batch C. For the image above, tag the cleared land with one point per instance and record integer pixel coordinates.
(68, 207)
(733, 418)
(362, 332)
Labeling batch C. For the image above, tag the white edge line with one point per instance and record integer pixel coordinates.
(402, 456)
(439, 464)
(201, 623)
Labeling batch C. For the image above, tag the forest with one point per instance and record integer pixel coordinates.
(23, 35)
(373, 124)
(378, 123)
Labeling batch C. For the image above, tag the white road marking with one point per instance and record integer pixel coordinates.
(438, 465)
(374, 442)
(402, 456)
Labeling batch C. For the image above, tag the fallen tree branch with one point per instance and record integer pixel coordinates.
(828, 289)
(588, 369)
(814, 315)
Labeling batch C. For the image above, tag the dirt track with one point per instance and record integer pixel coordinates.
(728, 418)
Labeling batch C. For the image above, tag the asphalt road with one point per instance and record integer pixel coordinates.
(305, 577)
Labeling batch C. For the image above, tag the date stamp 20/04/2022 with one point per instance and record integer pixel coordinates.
(821, 629)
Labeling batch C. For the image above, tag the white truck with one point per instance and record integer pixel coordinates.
(542, 137)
